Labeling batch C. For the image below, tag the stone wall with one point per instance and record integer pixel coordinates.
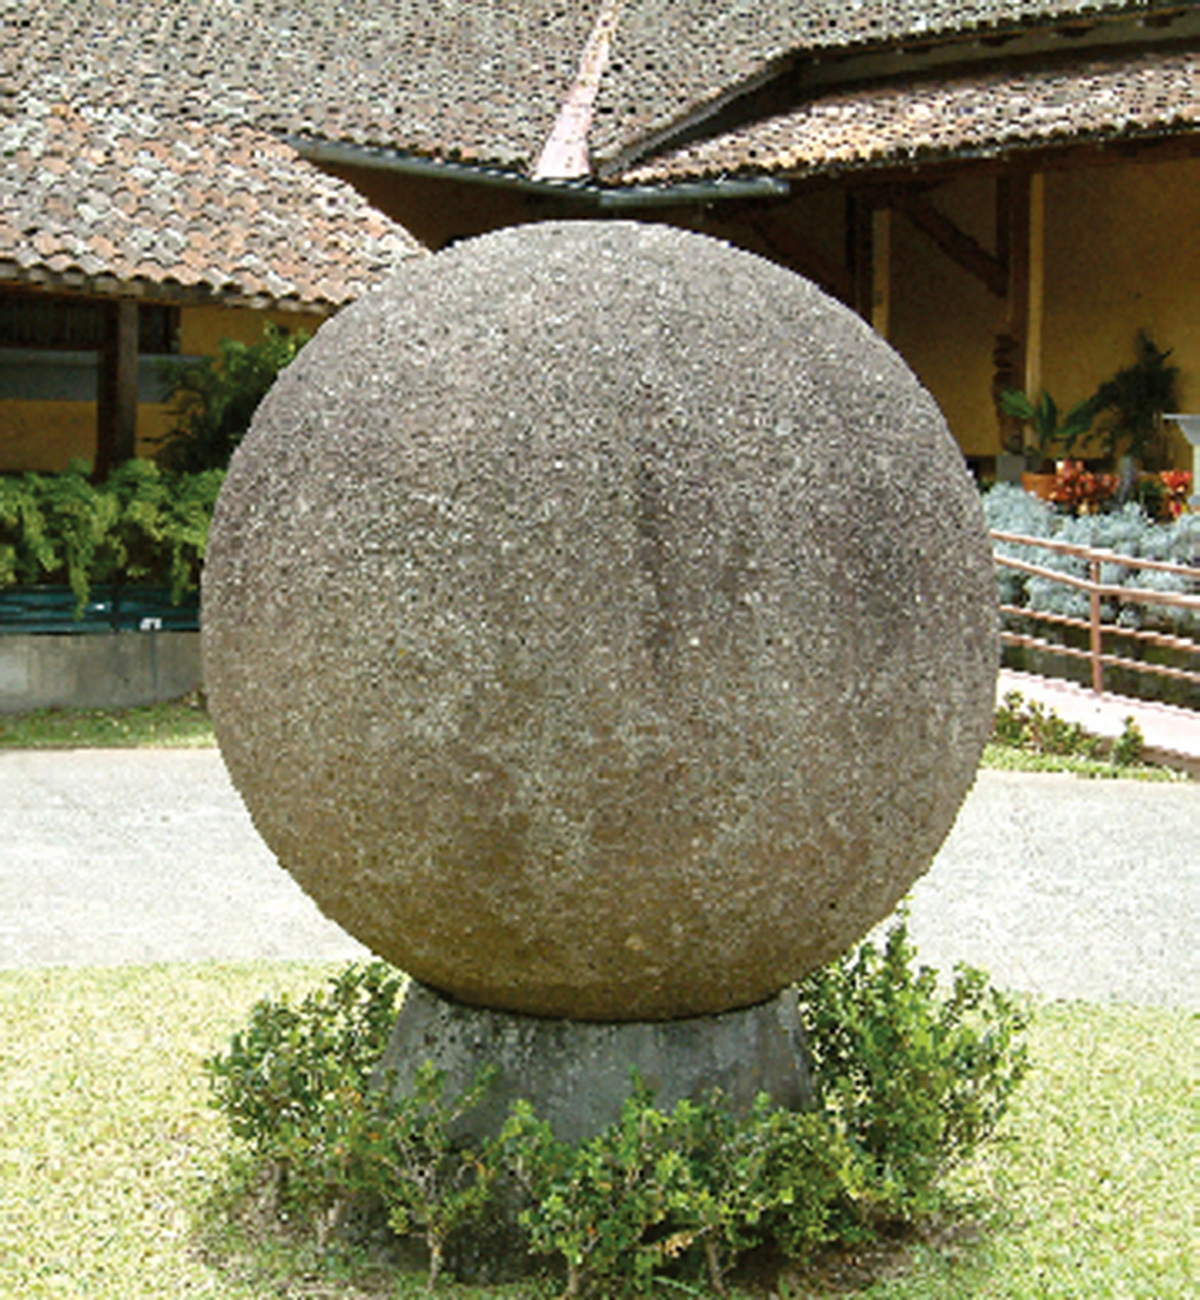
(97, 670)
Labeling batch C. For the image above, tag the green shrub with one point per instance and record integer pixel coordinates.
(292, 1087)
(142, 525)
(600, 1206)
(910, 1081)
(1033, 726)
(214, 399)
(412, 1163)
(1129, 746)
(914, 1080)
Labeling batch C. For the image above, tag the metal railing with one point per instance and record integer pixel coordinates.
(1098, 592)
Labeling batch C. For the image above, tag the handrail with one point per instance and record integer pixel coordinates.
(1098, 591)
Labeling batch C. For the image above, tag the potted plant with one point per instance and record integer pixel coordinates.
(1055, 437)
(1133, 402)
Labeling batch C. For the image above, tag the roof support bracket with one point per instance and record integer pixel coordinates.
(961, 248)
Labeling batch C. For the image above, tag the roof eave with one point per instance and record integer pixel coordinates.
(586, 195)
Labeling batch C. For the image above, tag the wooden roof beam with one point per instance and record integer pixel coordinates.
(961, 248)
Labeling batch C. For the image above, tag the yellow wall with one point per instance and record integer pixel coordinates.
(1122, 254)
(943, 321)
(47, 436)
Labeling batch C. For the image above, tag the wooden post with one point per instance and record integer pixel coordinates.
(1020, 235)
(1095, 637)
(1035, 286)
(117, 398)
(881, 270)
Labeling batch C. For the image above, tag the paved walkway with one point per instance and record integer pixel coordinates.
(1056, 885)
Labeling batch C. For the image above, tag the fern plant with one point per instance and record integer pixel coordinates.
(142, 525)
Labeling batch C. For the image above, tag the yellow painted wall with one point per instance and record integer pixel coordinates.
(201, 329)
(943, 321)
(48, 435)
(1122, 254)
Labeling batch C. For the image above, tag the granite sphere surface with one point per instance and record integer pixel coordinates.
(599, 622)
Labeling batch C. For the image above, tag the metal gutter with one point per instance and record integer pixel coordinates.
(584, 194)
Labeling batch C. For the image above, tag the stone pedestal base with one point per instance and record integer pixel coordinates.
(577, 1074)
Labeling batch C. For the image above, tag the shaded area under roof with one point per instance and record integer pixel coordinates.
(93, 193)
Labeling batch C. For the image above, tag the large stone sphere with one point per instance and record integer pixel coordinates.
(599, 622)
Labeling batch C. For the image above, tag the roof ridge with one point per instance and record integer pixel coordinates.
(564, 156)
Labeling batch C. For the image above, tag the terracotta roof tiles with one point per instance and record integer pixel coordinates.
(90, 190)
(983, 112)
(671, 57)
(145, 138)
(480, 82)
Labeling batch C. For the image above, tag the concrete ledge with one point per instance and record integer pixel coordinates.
(99, 670)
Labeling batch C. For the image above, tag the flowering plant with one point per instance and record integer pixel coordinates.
(1080, 491)
(1177, 483)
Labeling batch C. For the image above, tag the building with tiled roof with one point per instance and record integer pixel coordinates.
(1007, 189)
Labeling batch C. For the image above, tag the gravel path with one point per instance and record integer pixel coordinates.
(1055, 885)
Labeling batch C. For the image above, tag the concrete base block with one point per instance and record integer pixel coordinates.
(578, 1073)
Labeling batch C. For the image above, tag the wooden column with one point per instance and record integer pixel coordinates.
(1020, 246)
(1035, 292)
(117, 398)
(881, 270)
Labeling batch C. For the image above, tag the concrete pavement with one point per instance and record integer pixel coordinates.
(1056, 885)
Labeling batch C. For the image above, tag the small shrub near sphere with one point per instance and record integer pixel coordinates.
(911, 1079)
(1032, 726)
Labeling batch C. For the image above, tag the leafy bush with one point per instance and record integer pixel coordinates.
(214, 399)
(293, 1085)
(1130, 407)
(142, 525)
(424, 1178)
(1055, 436)
(910, 1081)
(913, 1080)
(1035, 727)
(656, 1189)
(1136, 398)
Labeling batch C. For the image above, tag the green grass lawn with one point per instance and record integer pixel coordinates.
(113, 1161)
(173, 725)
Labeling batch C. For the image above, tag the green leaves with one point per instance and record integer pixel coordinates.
(1054, 438)
(412, 1162)
(912, 1079)
(291, 1084)
(214, 399)
(142, 525)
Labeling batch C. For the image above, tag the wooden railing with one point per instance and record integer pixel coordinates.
(1098, 592)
